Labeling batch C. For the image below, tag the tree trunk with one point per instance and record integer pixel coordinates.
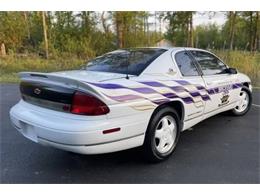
(119, 29)
(186, 26)
(251, 41)
(256, 34)
(160, 26)
(103, 21)
(45, 35)
(155, 21)
(191, 30)
(148, 33)
(2, 50)
(27, 25)
(232, 29)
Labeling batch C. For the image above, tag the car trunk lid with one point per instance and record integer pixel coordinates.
(56, 90)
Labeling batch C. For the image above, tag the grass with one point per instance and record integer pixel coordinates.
(245, 62)
(11, 65)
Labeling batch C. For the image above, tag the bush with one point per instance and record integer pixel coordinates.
(10, 65)
(245, 62)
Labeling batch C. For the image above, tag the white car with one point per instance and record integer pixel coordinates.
(128, 98)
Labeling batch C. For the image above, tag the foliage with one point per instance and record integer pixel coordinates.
(241, 31)
(74, 37)
(245, 62)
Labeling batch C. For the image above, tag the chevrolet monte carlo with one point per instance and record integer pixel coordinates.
(129, 98)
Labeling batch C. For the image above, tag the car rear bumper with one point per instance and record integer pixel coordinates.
(74, 133)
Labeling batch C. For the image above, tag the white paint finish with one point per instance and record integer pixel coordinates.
(92, 76)
(223, 83)
(72, 132)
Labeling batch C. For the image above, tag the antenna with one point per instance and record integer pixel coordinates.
(128, 63)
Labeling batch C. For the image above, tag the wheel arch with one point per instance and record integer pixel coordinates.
(177, 105)
(246, 84)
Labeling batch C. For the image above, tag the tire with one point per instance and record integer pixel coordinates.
(162, 135)
(245, 103)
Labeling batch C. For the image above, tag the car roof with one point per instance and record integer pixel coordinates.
(168, 48)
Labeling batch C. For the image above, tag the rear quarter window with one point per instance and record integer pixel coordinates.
(186, 64)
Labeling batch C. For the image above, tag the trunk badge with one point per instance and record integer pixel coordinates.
(37, 91)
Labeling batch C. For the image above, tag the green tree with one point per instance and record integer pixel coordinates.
(180, 29)
(12, 31)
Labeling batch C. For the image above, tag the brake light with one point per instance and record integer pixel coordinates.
(86, 104)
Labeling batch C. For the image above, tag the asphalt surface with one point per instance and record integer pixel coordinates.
(222, 149)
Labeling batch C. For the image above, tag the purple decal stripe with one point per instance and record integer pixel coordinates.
(178, 89)
(236, 85)
(107, 85)
(153, 84)
(160, 101)
(187, 100)
(182, 82)
(210, 91)
(170, 95)
(205, 97)
(216, 89)
(144, 90)
(199, 87)
(158, 84)
(124, 98)
(195, 94)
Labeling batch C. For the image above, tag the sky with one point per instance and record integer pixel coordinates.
(208, 18)
(200, 18)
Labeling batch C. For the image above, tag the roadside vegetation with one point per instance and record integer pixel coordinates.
(54, 41)
(245, 62)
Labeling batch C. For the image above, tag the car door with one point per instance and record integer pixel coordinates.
(194, 85)
(219, 84)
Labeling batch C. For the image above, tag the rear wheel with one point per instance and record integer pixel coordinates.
(245, 101)
(162, 134)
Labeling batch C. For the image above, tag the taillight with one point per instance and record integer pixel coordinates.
(86, 104)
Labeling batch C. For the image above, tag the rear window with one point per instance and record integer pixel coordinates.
(129, 61)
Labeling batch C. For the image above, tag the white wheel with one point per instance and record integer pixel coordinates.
(243, 103)
(165, 134)
(162, 134)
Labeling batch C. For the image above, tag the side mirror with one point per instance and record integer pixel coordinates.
(231, 71)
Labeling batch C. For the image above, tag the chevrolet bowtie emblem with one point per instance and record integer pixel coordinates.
(37, 91)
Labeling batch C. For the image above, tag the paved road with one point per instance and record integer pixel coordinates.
(222, 149)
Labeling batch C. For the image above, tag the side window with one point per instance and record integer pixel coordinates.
(209, 64)
(185, 64)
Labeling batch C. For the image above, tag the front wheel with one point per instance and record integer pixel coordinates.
(244, 104)
(162, 134)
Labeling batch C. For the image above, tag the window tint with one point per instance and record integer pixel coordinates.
(185, 64)
(209, 64)
(125, 61)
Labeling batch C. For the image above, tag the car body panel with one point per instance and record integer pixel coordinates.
(131, 101)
